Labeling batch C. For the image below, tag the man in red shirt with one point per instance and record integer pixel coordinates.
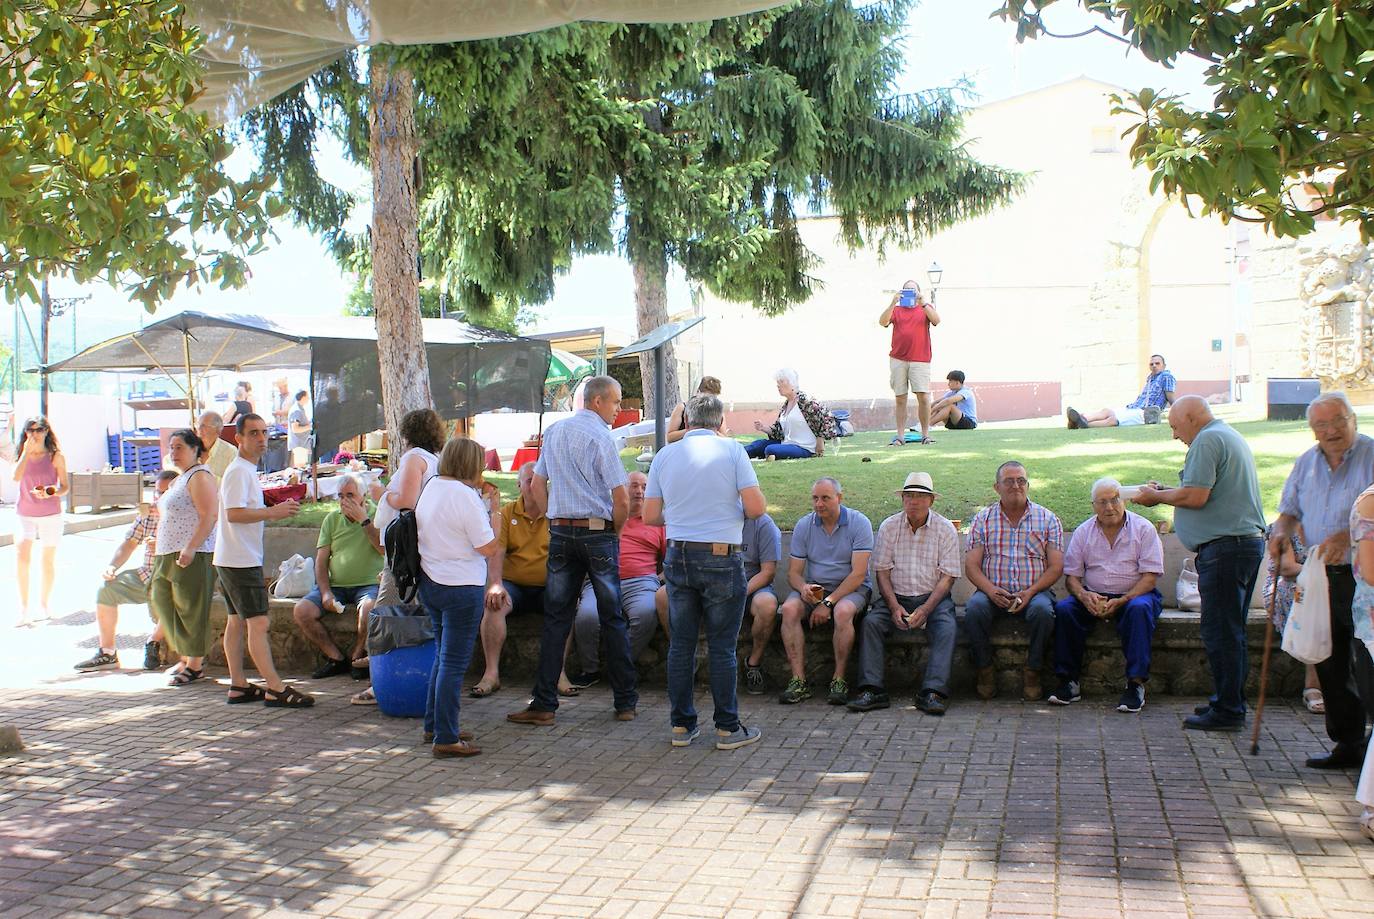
(910, 316)
(643, 599)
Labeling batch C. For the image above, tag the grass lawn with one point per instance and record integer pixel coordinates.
(1061, 465)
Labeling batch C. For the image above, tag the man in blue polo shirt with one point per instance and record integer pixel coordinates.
(762, 553)
(702, 488)
(828, 572)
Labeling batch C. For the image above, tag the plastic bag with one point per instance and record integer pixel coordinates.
(392, 627)
(1187, 594)
(1307, 635)
(295, 577)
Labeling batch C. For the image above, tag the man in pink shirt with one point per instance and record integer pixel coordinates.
(1112, 563)
(643, 599)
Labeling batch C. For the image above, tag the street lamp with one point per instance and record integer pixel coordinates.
(933, 274)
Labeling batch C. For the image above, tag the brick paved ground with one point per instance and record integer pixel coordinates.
(137, 799)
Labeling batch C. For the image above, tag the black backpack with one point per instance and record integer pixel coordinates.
(402, 542)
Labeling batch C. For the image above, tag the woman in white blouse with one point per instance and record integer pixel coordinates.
(802, 428)
(182, 581)
(458, 531)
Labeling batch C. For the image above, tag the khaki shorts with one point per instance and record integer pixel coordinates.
(127, 587)
(908, 376)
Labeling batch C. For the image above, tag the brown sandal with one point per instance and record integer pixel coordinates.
(249, 693)
(288, 697)
(482, 690)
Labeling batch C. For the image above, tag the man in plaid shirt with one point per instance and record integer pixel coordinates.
(129, 587)
(1015, 554)
(915, 562)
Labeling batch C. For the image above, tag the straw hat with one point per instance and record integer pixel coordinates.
(920, 483)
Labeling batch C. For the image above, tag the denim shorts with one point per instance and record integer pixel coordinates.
(344, 595)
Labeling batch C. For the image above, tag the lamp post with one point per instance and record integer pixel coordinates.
(933, 274)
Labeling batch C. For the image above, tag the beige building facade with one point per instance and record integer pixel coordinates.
(1059, 298)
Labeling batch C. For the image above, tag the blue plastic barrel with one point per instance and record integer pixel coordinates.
(400, 680)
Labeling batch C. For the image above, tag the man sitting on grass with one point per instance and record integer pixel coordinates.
(957, 409)
(1155, 397)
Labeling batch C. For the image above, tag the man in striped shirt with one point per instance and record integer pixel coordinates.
(1015, 554)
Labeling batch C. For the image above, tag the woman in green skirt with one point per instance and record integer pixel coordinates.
(182, 577)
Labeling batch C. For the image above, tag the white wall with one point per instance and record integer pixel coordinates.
(80, 423)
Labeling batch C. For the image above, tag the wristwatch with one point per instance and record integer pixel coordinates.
(366, 521)
(828, 603)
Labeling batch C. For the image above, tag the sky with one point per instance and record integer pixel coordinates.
(946, 41)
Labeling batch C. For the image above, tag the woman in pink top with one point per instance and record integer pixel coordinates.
(42, 477)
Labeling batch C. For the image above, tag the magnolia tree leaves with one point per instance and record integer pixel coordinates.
(105, 171)
(1289, 137)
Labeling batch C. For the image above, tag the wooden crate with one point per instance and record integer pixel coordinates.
(99, 490)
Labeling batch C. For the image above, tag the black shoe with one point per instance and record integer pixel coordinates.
(839, 693)
(1342, 756)
(1133, 699)
(152, 656)
(1066, 694)
(359, 673)
(101, 660)
(1202, 709)
(931, 702)
(582, 680)
(868, 701)
(1211, 721)
(330, 668)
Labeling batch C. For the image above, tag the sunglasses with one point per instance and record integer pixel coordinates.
(35, 429)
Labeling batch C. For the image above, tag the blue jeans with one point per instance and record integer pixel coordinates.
(1226, 572)
(763, 447)
(575, 554)
(456, 611)
(980, 612)
(1135, 625)
(704, 589)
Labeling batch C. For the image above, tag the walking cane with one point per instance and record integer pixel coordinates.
(1264, 663)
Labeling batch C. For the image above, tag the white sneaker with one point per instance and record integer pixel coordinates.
(1367, 823)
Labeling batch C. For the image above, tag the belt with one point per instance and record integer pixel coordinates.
(583, 522)
(1230, 539)
(715, 548)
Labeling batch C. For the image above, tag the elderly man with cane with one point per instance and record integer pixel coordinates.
(1218, 516)
(1320, 491)
(701, 488)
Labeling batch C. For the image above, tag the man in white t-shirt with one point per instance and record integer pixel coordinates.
(238, 563)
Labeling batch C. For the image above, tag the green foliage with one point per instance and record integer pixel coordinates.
(502, 315)
(694, 143)
(1289, 137)
(105, 172)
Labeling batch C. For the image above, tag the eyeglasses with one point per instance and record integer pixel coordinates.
(35, 429)
(1019, 482)
(1107, 502)
(1335, 424)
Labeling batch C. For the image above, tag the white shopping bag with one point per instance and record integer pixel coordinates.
(1307, 635)
(296, 577)
(1187, 595)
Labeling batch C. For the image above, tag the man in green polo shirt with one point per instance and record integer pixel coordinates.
(348, 562)
(1218, 515)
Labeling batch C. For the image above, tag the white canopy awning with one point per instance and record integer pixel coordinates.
(257, 49)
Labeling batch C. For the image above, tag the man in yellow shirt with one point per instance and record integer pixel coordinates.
(222, 453)
(515, 578)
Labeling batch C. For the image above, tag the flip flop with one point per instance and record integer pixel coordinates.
(366, 697)
(481, 690)
(897, 442)
(927, 440)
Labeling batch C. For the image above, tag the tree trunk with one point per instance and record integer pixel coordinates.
(651, 311)
(395, 244)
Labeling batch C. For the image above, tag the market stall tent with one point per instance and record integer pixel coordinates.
(472, 369)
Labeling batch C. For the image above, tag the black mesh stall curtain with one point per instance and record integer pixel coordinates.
(464, 380)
